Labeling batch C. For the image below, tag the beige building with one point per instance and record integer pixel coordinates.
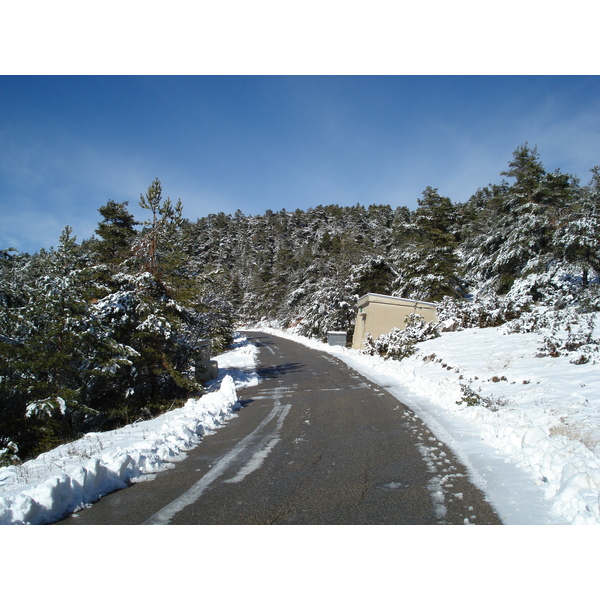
(379, 314)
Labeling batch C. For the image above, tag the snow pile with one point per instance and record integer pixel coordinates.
(239, 362)
(524, 421)
(74, 475)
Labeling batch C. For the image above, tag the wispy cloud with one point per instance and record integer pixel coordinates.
(259, 143)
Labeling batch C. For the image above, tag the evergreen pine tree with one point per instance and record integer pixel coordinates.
(578, 234)
(57, 350)
(159, 229)
(117, 230)
(427, 263)
(528, 171)
(513, 234)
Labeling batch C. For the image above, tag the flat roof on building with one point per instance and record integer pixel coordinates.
(391, 300)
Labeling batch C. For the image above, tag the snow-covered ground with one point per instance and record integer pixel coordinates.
(76, 474)
(531, 444)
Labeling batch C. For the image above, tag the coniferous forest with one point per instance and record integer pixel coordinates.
(98, 334)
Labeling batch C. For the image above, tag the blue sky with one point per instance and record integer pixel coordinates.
(221, 143)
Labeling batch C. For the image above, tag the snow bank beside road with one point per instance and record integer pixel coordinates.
(532, 446)
(76, 474)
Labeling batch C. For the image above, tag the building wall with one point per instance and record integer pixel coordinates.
(378, 314)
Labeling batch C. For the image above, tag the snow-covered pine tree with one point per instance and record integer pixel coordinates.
(510, 233)
(87, 341)
(577, 237)
(58, 350)
(528, 172)
(427, 262)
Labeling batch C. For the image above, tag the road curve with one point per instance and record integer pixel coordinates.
(314, 443)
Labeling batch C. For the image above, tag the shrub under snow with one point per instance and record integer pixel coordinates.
(400, 343)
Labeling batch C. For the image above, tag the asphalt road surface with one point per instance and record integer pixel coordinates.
(314, 443)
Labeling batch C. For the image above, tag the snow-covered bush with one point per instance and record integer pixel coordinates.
(589, 298)
(401, 343)
(9, 452)
(487, 311)
(558, 287)
(580, 345)
(566, 332)
(472, 397)
(543, 318)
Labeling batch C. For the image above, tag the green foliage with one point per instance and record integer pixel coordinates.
(156, 245)
(427, 263)
(528, 171)
(94, 336)
(54, 349)
(375, 276)
(576, 239)
(117, 231)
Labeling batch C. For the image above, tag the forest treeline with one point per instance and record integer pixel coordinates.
(101, 333)
(531, 238)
